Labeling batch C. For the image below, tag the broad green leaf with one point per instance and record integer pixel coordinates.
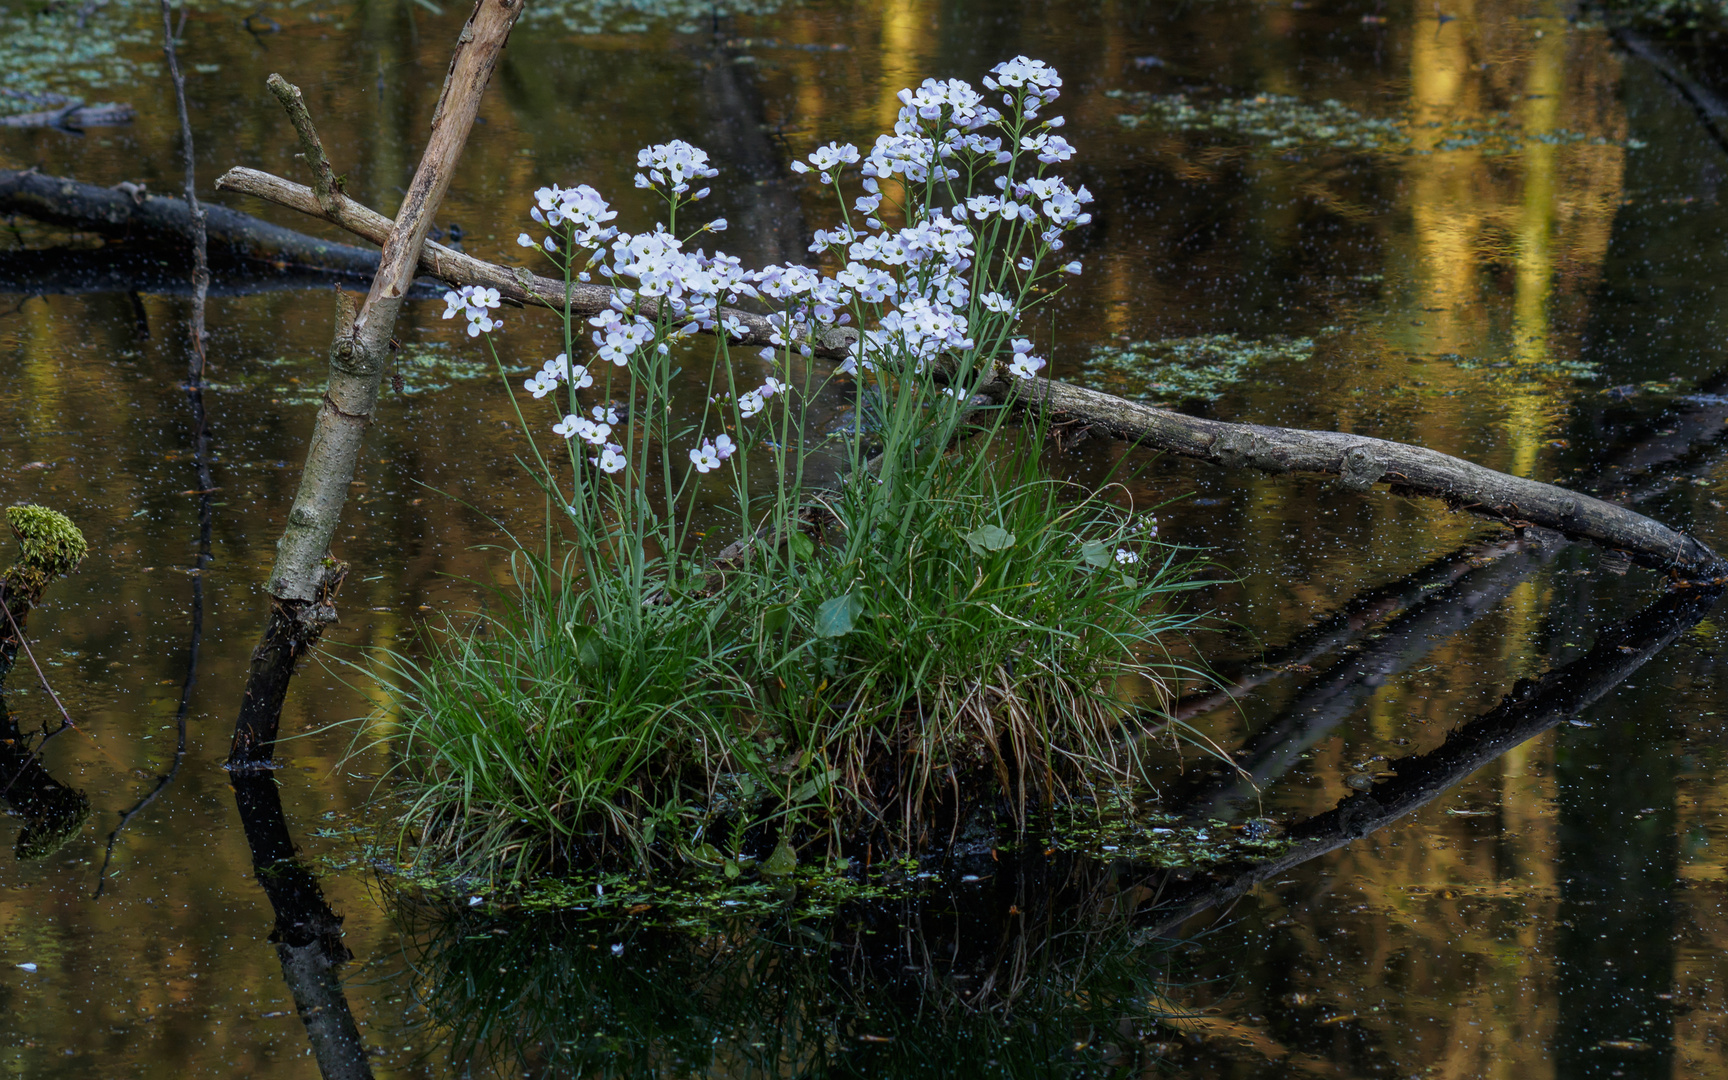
(834, 618)
(587, 642)
(782, 862)
(708, 855)
(802, 546)
(810, 788)
(1097, 553)
(988, 538)
(732, 869)
(776, 618)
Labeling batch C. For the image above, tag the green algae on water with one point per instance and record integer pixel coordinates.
(1186, 369)
(1282, 122)
(1119, 830)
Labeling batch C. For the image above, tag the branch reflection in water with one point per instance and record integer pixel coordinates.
(1029, 964)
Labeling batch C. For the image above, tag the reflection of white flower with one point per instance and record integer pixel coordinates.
(1125, 557)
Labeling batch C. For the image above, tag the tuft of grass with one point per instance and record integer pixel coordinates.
(541, 738)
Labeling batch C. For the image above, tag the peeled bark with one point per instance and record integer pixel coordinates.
(305, 577)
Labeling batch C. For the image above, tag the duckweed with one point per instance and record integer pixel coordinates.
(1282, 122)
(1186, 369)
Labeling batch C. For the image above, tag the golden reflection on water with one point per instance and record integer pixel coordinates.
(1479, 254)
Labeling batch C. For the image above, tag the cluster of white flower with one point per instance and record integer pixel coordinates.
(671, 166)
(711, 453)
(1024, 365)
(478, 303)
(554, 371)
(1124, 557)
(918, 278)
(595, 429)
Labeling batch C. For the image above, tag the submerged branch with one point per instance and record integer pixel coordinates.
(1533, 707)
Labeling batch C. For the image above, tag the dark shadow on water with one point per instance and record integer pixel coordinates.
(307, 934)
(1041, 965)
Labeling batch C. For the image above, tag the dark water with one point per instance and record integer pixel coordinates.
(1551, 907)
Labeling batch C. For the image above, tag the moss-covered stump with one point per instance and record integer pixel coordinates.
(49, 547)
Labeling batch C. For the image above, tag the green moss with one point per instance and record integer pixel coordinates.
(48, 830)
(1173, 370)
(48, 541)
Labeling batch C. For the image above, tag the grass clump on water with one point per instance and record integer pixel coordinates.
(944, 633)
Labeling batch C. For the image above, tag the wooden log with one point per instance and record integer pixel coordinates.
(74, 117)
(128, 211)
(1361, 461)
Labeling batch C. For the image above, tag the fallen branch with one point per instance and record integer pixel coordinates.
(127, 211)
(459, 268)
(73, 117)
(1358, 461)
(305, 577)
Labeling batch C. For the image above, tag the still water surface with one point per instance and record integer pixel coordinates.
(1547, 208)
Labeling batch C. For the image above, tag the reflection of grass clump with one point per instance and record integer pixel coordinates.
(1185, 369)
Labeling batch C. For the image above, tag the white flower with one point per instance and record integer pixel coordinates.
(1125, 557)
(1072, 268)
(718, 224)
(590, 432)
(604, 414)
(770, 387)
(995, 301)
(724, 447)
(1024, 365)
(705, 458)
(580, 377)
(611, 459)
(750, 404)
(568, 427)
(524, 240)
(672, 165)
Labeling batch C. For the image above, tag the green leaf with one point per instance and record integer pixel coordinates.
(1097, 553)
(782, 862)
(988, 538)
(587, 642)
(732, 869)
(776, 618)
(834, 618)
(708, 855)
(810, 788)
(802, 546)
